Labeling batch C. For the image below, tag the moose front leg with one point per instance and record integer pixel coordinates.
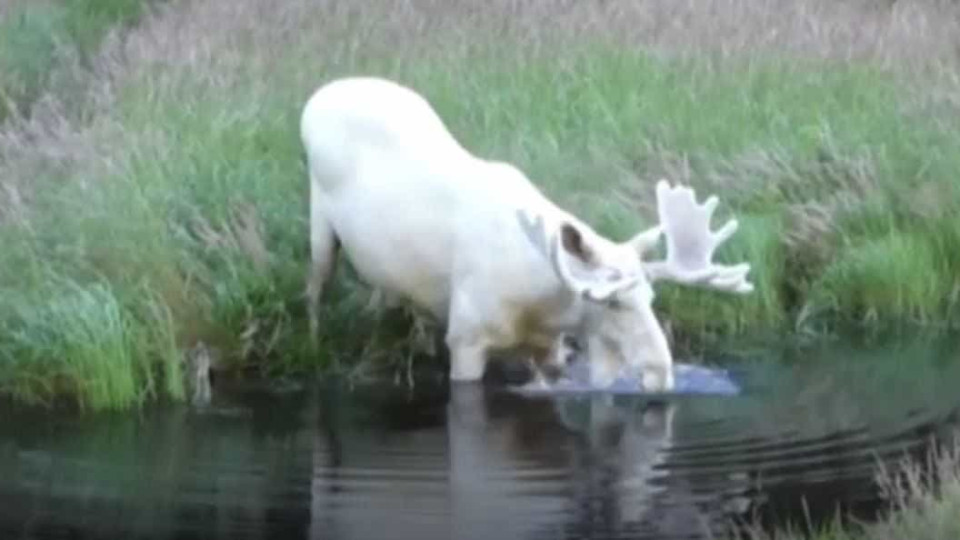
(468, 359)
(465, 339)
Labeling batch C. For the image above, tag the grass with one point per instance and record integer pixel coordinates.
(38, 37)
(923, 504)
(168, 184)
(86, 344)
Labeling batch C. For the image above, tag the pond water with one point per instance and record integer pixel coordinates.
(335, 461)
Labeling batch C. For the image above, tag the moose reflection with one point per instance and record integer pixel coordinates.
(501, 463)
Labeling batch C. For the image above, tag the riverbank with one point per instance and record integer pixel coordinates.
(161, 203)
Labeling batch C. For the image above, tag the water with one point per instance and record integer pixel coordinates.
(332, 462)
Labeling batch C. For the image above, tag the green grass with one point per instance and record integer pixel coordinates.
(189, 192)
(898, 275)
(767, 136)
(39, 36)
(81, 342)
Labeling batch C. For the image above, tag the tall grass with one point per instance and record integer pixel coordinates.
(182, 183)
(38, 36)
(79, 342)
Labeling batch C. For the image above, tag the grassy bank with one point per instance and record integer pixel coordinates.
(923, 504)
(172, 209)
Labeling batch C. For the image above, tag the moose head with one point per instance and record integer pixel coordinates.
(614, 282)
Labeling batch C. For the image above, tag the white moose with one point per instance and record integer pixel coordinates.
(477, 245)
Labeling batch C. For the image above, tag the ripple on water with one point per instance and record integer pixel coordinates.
(480, 462)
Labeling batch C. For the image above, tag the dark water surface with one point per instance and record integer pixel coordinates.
(334, 462)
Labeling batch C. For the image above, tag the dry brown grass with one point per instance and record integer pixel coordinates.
(903, 32)
(245, 34)
(6, 6)
(241, 233)
(220, 42)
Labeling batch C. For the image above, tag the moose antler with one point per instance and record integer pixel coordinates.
(691, 243)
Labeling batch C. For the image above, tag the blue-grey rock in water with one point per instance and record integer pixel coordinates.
(688, 379)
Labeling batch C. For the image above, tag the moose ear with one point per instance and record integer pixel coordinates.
(574, 254)
(574, 245)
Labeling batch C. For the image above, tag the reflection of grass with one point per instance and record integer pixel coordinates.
(814, 391)
(186, 177)
(924, 501)
(37, 35)
(126, 475)
(870, 402)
